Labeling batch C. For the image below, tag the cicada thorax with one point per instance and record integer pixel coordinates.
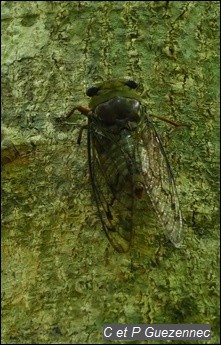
(118, 120)
(118, 112)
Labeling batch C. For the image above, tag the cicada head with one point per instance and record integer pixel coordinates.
(115, 101)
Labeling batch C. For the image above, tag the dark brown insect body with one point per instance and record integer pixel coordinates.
(127, 161)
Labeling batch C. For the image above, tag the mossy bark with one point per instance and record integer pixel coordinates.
(61, 281)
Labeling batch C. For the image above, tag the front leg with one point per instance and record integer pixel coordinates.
(80, 133)
(82, 110)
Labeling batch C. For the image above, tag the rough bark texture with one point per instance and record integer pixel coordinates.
(61, 281)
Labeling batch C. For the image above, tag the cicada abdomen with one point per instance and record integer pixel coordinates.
(126, 161)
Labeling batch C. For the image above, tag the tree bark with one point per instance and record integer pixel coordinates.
(61, 280)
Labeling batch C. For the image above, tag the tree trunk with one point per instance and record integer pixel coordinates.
(61, 280)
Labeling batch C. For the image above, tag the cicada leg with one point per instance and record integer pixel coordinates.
(84, 111)
(171, 122)
(80, 133)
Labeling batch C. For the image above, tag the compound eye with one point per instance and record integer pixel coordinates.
(92, 91)
(132, 84)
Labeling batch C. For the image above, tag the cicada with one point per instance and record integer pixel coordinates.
(127, 163)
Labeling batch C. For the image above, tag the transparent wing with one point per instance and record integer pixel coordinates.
(159, 180)
(110, 164)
